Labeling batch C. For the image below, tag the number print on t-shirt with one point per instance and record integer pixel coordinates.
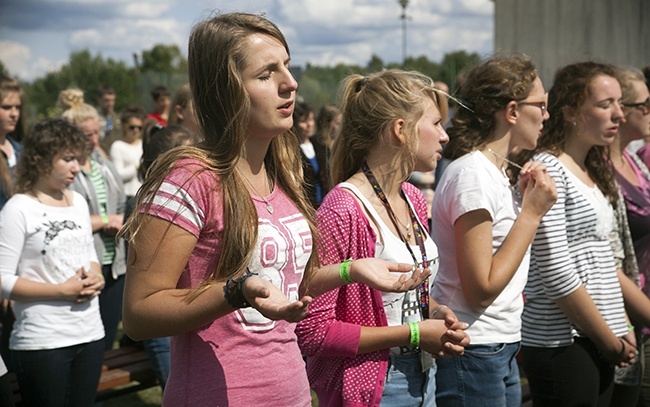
(280, 256)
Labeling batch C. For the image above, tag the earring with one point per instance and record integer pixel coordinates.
(574, 124)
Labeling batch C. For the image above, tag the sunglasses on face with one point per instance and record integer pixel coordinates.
(135, 128)
(643, 106)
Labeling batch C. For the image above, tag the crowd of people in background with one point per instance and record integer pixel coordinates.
(258, 247)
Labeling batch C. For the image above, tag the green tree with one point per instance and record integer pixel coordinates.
(375, 64)
(455, 63)
(88, 73)
(164, 59)
(3, 70)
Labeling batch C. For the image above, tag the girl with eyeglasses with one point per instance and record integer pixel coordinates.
(575, 327)
(483, 230)
(126, 152)
(633, 178)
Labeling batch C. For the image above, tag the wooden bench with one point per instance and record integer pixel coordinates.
(125, 370)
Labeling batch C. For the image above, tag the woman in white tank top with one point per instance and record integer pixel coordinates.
(392, 125)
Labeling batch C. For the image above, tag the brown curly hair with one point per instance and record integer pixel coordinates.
(487, 88)
(571, 87)
(46, 139)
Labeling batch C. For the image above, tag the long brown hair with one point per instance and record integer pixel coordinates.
(571, 87)
(216, 57)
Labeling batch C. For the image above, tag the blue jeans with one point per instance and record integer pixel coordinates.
(59, 377)
(158, 352)
(487, 375)
(406, 384)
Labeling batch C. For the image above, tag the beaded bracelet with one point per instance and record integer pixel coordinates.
(414, 339)
(233, 291)
(344, 271)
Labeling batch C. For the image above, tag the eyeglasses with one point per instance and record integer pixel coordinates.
(541, 105)
(135, 127)
(643, 106)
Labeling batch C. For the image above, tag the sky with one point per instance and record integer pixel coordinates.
(37, 36)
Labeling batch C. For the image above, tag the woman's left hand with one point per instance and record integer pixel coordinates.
(377, 274)
(271, 302)
(443, 312)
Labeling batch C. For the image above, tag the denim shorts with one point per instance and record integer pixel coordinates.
(406, 385)
(486, 375)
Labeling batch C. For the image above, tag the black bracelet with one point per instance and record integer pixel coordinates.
(233, 291)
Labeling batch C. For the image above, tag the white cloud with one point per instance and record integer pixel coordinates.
(320, 32)
(18, 60)
(14, 55)
(143, 8)
(129, 35)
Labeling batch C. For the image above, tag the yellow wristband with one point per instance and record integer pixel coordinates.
(344, 272)
(414, 339)
(104, 218)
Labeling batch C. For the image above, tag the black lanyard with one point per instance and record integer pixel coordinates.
(424, 287)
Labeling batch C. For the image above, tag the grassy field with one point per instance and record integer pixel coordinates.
(145, 398)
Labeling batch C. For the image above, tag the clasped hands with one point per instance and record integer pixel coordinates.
(83, 286)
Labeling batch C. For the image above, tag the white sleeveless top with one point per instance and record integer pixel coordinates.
(400, 308)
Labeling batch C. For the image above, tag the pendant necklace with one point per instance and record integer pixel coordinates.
(419, 236)
(407, 228)
(269, 207)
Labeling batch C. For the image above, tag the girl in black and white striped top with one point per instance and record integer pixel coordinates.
(574, 323)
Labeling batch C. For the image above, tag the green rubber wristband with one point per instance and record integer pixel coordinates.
(414, 340)
(344, 272)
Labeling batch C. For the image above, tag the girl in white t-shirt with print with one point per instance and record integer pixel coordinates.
(49, 268)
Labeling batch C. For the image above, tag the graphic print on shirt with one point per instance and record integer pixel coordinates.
(65, 248)
(280, 256)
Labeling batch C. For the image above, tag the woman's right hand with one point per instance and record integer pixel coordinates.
(114, 225)
(537, 188)
(78, 288)
(624, 355)
(271, 302)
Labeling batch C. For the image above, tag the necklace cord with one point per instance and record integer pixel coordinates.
(269, 207)
(424, 287)
(497, 155)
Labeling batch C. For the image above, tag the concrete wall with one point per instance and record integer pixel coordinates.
(558, 32)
